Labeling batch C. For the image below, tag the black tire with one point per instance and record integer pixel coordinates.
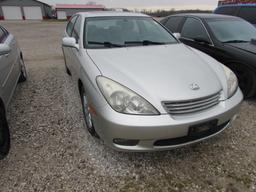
(23, 74)
(246, 78)
(90, 126)
(4, 136)
(67, 70)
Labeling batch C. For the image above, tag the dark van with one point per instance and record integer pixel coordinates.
(245, 11)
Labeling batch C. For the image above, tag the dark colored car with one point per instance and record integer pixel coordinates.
(228, 39)
(245, 11)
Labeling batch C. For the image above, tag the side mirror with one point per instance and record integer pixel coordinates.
(70, 42)
(4, 49)
(177, 35)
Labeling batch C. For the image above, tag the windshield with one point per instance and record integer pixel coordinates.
(125, 31)
(232, 30)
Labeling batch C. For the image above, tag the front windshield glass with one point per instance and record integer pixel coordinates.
(231, 30)
(125, 31)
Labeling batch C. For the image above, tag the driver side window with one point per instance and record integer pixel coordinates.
(193, 29)
(70, 26)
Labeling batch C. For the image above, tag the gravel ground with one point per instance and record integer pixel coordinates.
(52, 151)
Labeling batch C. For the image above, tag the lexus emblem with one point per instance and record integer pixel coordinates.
(194, 86)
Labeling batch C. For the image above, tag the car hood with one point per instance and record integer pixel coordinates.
(159, 73)
(248, 47)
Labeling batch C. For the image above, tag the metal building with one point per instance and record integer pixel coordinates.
(65, 11)
(24, 10)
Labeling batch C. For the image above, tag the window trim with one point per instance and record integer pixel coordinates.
(6, 34)
(73, 26)
(207, 32)
(77, 40)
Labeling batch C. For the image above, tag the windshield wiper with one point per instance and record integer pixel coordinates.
(236, 41)
(145, 42)
(105, 44)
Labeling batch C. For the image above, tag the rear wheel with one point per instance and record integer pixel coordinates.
(23, 74)
(4, 136)
(246, 78)
(87, 114)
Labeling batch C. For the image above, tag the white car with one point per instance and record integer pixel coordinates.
(143, 90)
(12, 71)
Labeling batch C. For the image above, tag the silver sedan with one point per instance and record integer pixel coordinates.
(143, 90)
(12, 71)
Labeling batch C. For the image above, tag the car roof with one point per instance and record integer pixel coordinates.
(205, 15)
(111, 14)
(238, 5)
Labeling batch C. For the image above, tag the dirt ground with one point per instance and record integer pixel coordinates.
(52, 151)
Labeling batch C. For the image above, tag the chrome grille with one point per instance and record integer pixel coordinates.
(190, 106)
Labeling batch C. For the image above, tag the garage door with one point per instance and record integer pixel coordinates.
(12, 13)
(61, 15)
(33, 13)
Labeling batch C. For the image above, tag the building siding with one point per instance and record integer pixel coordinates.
(46, 9)
(71, 12)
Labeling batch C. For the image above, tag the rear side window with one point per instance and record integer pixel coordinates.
(173, 23)
(70, 25)
(248, 13)
(227, 10)
(193, 29)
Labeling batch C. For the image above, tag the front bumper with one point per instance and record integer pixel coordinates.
(151, 130)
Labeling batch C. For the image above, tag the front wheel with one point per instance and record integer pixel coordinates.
(87, 114)
(4, 136)
(67, 70)
(23, 73)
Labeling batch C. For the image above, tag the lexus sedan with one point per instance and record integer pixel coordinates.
(143, 90)
(12, 71)
(230, 40)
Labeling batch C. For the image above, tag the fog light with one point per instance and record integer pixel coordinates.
(126, 142)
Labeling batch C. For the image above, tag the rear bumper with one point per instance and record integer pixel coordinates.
(162, 132)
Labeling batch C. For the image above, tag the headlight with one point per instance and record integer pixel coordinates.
(123, 100)
(231, 80)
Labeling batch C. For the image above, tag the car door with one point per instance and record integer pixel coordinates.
(68, 50)
(76, 53)
(9, 66)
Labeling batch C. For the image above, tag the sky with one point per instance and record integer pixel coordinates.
(145, 4)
